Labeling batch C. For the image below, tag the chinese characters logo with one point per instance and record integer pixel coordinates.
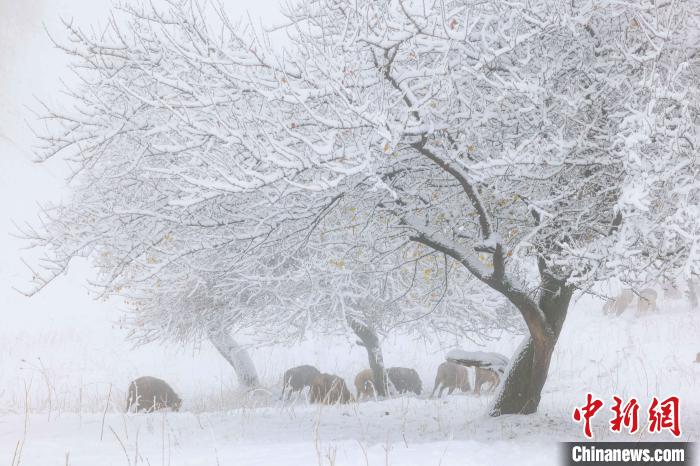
(661, 415)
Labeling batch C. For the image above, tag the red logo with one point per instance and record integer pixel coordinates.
(589, 410)
(663, 415)
(627, 416)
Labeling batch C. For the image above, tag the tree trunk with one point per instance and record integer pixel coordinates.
(369, 339)
(692, 293)
(237, 356)
(527, 373)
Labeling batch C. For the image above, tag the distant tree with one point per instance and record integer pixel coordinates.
(283, 300)
(185, 313)
(342, 289)
(533, 147)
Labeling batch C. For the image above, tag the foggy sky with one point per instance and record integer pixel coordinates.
(30, 69)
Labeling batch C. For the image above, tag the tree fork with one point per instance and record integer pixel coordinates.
(522, 388)
(369, 339)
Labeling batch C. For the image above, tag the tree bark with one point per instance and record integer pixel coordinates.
(692, 293)
(521, 390)
(369, 339)
(237, 356)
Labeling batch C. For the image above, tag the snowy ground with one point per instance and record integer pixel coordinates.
(69, 420)
(397, 432)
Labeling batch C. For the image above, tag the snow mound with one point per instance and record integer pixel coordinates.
(478, 359)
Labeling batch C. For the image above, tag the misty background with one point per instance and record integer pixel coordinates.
(64, 317)
(63, 333)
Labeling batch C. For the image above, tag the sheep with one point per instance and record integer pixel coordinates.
(405, 380)
(330, 389)
(671, 290)
(620, 303)
(364, 384)
(451, 375)
(297, 378)
(484, 375)
(647, 300)
(150, 394)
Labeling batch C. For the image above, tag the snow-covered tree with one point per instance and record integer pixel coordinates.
(535, 147)
(186, 279)
(187, 312)
(410, 294)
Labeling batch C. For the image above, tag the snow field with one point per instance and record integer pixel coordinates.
(65, 395)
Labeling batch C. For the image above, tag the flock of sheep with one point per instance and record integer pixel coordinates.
(150, 394)
(646, 301)
(646, 298)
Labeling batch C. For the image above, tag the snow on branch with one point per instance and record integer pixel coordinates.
(423, 153)
(490, 360)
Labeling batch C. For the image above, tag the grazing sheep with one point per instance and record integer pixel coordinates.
(150, 394)
(297, 378)
(451, 375)
(620, 303)
(364, 384)
(671, 290)
(647, 300)
(485, 375)
(405, 380)
(330, 389)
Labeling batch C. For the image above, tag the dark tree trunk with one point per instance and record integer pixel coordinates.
(369, 339)
(522, 388)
